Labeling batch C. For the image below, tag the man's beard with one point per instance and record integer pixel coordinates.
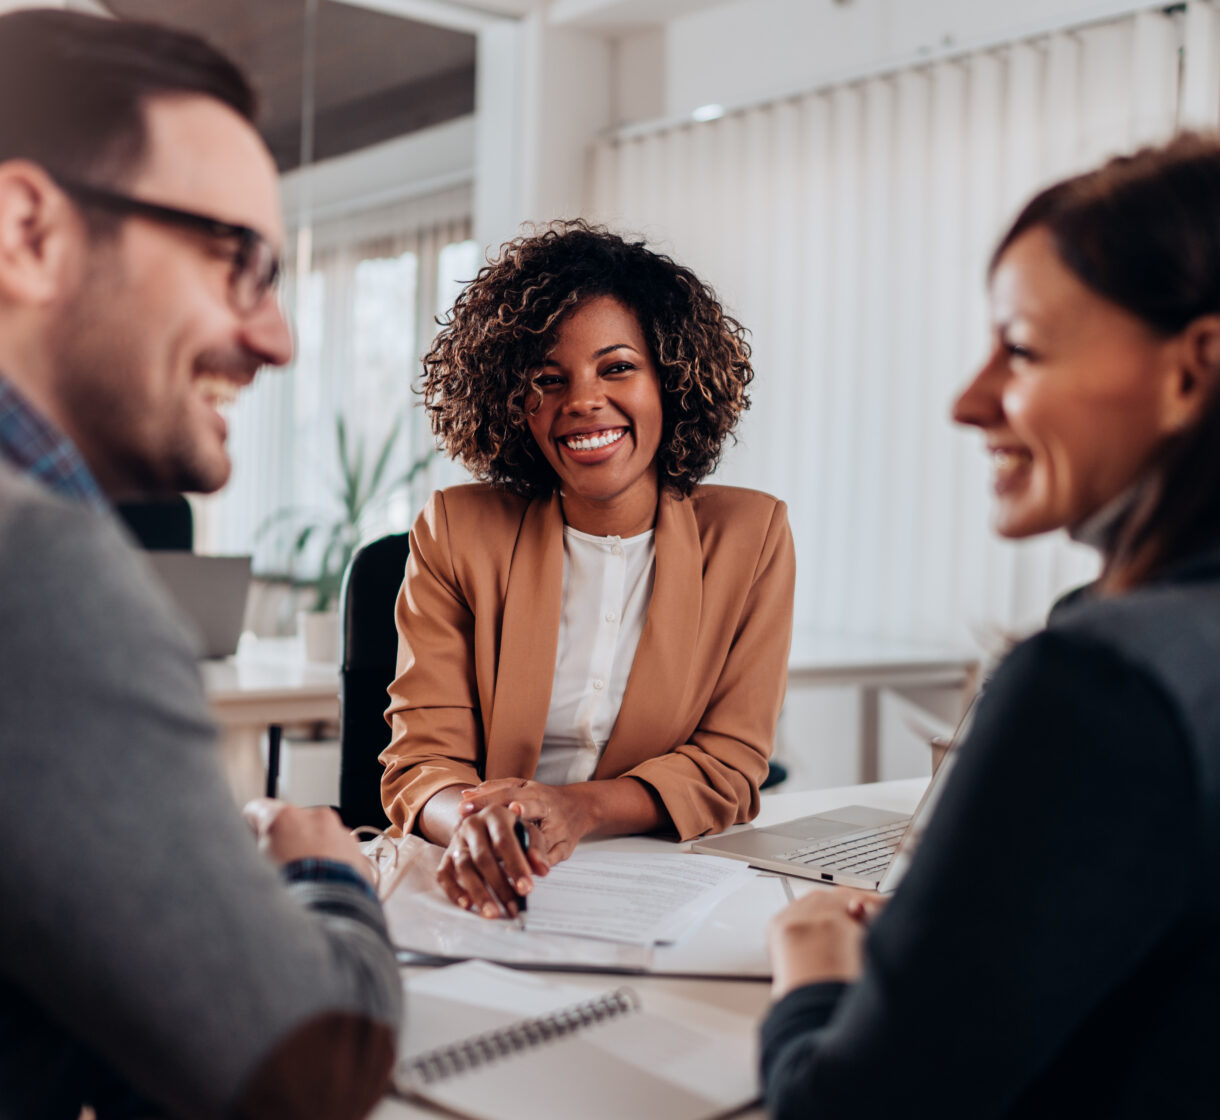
(131, 421)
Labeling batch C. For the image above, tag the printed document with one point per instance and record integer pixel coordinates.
(631, 898)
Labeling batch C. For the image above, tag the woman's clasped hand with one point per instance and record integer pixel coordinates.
(821, 937)
(484, 868)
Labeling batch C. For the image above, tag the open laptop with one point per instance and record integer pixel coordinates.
(210, 591)
(854, 846)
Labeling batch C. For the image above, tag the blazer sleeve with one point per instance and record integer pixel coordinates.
(437, 738)
(711, 782)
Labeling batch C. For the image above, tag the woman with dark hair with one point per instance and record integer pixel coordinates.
(591, 641)
(1054, 949)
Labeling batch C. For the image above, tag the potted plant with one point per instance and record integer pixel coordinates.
(361, 488)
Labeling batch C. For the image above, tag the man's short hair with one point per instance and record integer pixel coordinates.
(73, 89)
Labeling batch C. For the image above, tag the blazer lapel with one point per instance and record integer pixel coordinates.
(657, 685)
(529, 638)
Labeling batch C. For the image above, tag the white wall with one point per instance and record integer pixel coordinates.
(749, 50)
(544, 94)
(419, 163)
(639, 76)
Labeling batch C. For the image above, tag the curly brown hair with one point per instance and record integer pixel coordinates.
(480, 376)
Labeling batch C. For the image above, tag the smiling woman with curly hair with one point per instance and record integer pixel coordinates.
(481, 375)
(591, 641)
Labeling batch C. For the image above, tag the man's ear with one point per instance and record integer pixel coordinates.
(38, 229)
(1195, 373)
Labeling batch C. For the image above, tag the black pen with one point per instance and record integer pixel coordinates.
(523, 838)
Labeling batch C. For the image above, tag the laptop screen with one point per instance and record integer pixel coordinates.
(210, 591)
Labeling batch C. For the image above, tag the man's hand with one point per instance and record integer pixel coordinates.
(287, 832)
(821, 937)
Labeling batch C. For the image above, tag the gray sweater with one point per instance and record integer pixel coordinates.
(143, 939)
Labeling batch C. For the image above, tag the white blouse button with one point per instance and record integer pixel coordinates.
(611, 616)
(617, 550)
(599, 684)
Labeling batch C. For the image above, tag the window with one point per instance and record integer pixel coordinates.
(363, 316)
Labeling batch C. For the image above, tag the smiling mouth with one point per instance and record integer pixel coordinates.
(594, 441)
(218, 392)
(1007, 463)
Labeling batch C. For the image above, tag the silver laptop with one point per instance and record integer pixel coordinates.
(854, 846)
(210, 591)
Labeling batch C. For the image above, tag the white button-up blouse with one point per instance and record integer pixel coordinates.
(607, 586)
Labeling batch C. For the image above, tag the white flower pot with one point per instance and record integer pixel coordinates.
(319, 634)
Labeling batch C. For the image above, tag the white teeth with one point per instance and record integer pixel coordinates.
(592, 443)
(1005, 461)
(216, 391)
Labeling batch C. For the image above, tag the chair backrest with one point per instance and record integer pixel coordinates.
(367, 667)
(160, 524)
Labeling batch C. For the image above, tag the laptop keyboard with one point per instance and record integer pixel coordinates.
(857, 853)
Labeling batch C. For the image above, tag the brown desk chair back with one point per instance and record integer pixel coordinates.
(367, 668)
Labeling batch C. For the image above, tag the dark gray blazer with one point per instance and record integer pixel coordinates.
(1055, 948)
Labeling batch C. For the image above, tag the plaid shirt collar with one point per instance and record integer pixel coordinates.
(35, 447)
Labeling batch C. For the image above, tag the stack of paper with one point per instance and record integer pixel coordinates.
(634, 904)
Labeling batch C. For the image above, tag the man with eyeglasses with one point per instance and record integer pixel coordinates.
(152, 961)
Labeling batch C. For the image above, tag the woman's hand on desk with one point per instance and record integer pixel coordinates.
(562, 815)
(483, 861)
(484, 869)
(287, 832)
(821, 937)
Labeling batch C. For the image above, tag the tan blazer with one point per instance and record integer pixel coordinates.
(478, 623)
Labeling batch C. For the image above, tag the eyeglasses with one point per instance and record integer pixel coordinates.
(256, 268)
(382, 853)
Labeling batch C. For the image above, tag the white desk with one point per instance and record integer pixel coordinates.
(874, 666)
(267, 682)
(743, 997)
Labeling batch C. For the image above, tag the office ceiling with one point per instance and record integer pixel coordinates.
(377, 76)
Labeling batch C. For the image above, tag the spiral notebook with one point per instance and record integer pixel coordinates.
(494, 1044)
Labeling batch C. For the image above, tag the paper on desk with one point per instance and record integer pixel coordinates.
(729, 942)
(438, 1002)
(669, 1060)
(422, 920)
(631, 898)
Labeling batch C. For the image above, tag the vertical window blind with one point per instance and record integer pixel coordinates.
(849, 229)
(362, 317)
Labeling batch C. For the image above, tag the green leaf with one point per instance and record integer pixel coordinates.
(341, 439)
(302, 540)
(362, 484)
(383, 458)
(351, 483)
(420, 464)
(288, 513)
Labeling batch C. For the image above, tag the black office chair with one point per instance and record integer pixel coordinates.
(160, 524)
(367, 666)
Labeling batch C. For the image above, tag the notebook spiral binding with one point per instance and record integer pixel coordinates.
(469, 1054)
